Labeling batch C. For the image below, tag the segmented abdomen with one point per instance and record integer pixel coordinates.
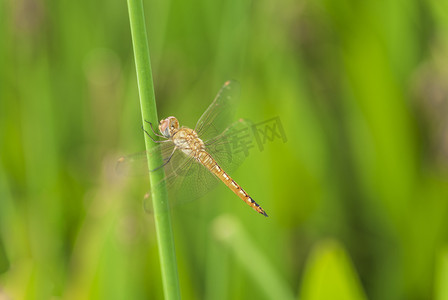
(205, 159)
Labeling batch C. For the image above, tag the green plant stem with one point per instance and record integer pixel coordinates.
(149, 112)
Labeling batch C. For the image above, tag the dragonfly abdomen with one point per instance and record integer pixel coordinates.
(208, 161)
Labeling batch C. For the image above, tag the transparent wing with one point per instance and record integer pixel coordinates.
(136, 164)
(231, 147)
(219, 114)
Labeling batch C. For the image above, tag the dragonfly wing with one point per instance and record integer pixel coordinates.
(186, 181)
(195, 182)
(231, 147)
(136, 164)
(184, 177)
(218, 115)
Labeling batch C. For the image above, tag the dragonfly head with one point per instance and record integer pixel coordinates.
(168, 126)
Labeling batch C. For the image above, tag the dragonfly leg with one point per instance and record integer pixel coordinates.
(153, 131)
(147, 133)
(166, 162)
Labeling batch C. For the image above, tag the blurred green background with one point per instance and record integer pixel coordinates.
(357, 196)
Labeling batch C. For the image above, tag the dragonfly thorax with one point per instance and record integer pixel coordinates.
(187, 140)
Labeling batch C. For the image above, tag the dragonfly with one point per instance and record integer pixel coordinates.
(197, 159)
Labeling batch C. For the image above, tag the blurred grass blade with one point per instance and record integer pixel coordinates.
(230, 232)
(4, 261)
(441, 280)
(329, 274)
(149, 113)
(217, 272)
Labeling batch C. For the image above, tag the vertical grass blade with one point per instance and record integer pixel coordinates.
(149, 112)
(441, 288)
